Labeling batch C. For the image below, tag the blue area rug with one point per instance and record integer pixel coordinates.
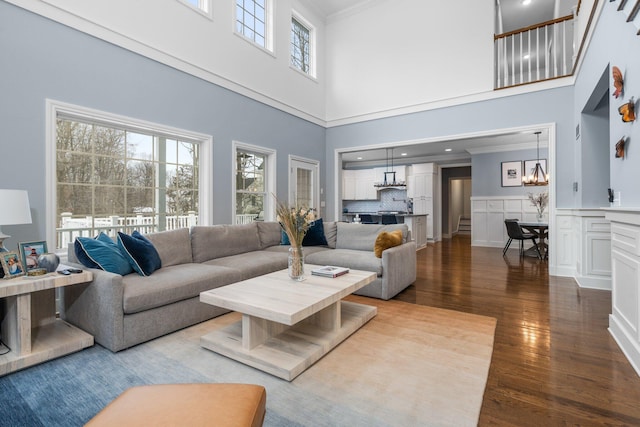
(357, 384)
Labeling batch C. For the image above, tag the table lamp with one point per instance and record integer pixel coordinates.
(14, 209)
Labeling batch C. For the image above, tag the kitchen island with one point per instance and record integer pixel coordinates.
(417, 222)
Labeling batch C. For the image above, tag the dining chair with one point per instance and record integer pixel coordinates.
(515, 233)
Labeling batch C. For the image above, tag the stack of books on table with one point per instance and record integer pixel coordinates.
(329, 271)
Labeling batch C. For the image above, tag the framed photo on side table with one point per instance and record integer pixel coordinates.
(11, 265)
(29, 253)
(512, 174)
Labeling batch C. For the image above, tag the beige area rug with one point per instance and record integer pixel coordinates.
(410, 365)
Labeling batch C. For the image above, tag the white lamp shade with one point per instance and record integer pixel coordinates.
(14, 207)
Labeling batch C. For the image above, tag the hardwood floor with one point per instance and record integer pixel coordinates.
(554, 362)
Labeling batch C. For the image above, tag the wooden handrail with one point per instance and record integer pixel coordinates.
(533, 27)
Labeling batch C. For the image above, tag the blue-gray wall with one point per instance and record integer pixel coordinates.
(487, 172)
(547, 106)
(614, 43)
(42, 59)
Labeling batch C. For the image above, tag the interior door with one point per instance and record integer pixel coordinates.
(304, 183)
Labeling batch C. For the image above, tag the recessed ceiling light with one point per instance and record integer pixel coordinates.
(403, 154)
(526, 2)
(448, 149)
(525, 57)
(358, 158)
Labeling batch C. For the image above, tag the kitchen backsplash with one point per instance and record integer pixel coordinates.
(390, 200)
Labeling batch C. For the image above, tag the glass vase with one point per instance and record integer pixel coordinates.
(296, 263)
(540, 217)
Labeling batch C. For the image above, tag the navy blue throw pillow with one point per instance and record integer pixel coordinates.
(140, 253)
(315, 235)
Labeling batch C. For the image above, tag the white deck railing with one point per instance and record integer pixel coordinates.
(88, 226)
(539, 52)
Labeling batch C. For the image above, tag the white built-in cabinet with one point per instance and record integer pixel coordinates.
(624, 321)
(358, 185)
(423, 187)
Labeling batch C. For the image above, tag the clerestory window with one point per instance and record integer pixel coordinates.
(252, 21)
(302, 45)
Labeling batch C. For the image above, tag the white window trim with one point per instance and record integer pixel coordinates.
(204, 7)
(270, 178)
(269, 36)
(312, 44)
(55, 108)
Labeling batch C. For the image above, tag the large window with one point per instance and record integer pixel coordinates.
(301, 45)
(252, 21)
(254, 183)
(112, 177)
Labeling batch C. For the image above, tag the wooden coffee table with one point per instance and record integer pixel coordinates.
(286, 325)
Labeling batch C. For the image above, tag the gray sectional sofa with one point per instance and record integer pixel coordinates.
(122, 311)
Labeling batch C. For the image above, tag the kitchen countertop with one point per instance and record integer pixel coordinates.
(380, 214)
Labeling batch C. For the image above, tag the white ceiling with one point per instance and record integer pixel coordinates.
(514, 15)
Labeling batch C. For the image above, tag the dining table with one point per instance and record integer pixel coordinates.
(541, 230)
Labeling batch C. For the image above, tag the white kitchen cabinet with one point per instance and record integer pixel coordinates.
(348, 185)
(418, 226)
(400, 171)
(358, 185)
(423, 188)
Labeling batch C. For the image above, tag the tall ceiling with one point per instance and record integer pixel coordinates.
(510, 15)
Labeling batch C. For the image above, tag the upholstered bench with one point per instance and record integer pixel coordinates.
(221, 405)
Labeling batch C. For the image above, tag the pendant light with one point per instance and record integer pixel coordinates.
(537, 177)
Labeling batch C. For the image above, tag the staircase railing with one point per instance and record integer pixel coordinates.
(539, 52)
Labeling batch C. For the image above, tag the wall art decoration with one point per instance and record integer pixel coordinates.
(618, 83)
(512, 174)
(628, 111)
(620, 148)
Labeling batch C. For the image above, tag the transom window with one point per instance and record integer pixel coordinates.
(252, 22)
(112, 178)
(300, 46)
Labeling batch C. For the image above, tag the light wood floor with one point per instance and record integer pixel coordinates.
(554, 362)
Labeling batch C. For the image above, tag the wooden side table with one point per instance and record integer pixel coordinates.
(30, 327)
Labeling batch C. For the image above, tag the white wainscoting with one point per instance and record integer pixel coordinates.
(580, 241)
(624, 321)
(582, 247)
(488, 215)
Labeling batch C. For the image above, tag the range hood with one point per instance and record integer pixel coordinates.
(389, 176)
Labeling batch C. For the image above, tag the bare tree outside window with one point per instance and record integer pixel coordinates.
(250, 186)
(112, 179)
(300, 47)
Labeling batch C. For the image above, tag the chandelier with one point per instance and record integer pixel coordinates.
(536, 176)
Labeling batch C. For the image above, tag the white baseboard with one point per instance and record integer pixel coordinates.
(594, 282)
(630, 348)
